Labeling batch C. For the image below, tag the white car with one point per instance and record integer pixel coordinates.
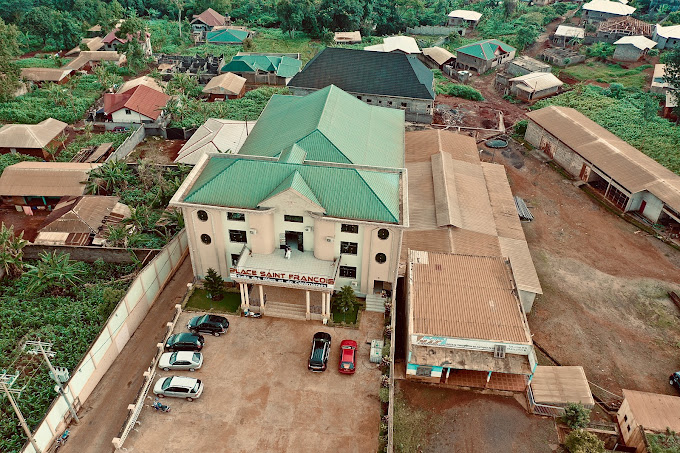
(179, 387)
(181, 360)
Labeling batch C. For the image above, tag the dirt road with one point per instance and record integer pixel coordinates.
(605, 285)
(105, 410)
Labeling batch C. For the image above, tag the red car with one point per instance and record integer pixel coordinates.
(348, 357)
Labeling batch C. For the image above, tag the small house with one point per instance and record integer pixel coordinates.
(225, 86)
(553, 388)
(270, 69)
(147, 81)
(643, 414)
(464, 18)
(91, 44)
(560, 56)
(611, 30)
(78, 220)
(138, 105)
(89, 59)
(347, 37)
(666, 37)
(113, 42)
(215, 136)
(659, 84)
(526, 65)
(566, 35)
(599, 10)
(402, 44)
(632, 48)
(482, 56)
(534, 86)
(207, 20)
(229, 35)
(437, 58)
(43, 184)
(31, 139)
(47, 75)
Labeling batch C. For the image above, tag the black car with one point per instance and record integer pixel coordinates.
(213, 324)
(321, 346)
(675, 380)
(185, 342)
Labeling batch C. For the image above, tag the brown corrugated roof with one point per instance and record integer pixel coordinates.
(227, 83)
(34, 136)
(210, 17)
(83, 214)
(448, 185)
(653, 411)
(462, 296)
(87, 56)
(561, 385)
(143, 80)
(48, 179)
(438, 54)
(141, 99)
(626, 165)
(45, 74)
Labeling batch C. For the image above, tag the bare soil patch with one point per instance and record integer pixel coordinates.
(157, 150)
(29, 224)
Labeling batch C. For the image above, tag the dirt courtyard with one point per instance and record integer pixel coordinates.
(605, 304)
(259, 395)
(432, 419)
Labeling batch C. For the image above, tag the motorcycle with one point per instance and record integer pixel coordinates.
(62, 440)
(251, 314)
(160, 406)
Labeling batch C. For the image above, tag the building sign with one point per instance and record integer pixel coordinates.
(470, 345)
(282, 277)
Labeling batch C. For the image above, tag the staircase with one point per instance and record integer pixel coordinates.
(375, 303)
(283, 310)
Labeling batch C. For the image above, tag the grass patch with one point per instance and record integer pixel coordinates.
(84, 141)
(409, 435)
(609, 73)
(199, 300)
(42, 62)
(274, 40)
(348, 317)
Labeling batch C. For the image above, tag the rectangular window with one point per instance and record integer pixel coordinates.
(349, 248)
(128, 112)
(369, 100)
(359, 97)
(403, 104)
(238, 216)
(238, 236)
(349, 228)
(348, 271)
(234, 258)
(293, 218)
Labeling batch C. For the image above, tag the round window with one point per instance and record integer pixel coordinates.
(381, 258)
(383, 233)
(202, 215)
(205, 239)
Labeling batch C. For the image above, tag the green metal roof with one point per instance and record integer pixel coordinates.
(227, 36)
(345, 192)
(282, 66)
(485, 49)
(329, 125)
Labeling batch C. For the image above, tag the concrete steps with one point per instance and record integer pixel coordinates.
(375, 303)
(283, 310)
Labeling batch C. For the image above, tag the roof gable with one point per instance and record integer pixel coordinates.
(33, 136)
(210, 17)
(357, 71)
(486, 50)
(141, 99)
(293, 183)
(228, 36)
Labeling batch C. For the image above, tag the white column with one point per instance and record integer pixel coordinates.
(328, 306)
(308, 315)
(323, 304)
(261, 299)
(244, 305)
(247, 298)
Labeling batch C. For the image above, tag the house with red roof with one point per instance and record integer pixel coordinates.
(113, 42)
(207, 20)
(139, 105)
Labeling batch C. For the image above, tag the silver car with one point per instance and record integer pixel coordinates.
(181, 360)
(179, 387)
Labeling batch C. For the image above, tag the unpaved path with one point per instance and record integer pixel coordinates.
(105, 410)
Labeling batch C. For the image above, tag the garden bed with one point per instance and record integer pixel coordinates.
(348, 317)
(199, 301)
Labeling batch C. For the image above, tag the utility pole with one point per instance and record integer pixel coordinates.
(45, 349)
(6, 381)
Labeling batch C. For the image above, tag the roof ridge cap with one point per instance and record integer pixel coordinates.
(376, 195)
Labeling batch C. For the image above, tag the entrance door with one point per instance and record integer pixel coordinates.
(294, 239)
(643, 204)
(445, 373)
(585, 173)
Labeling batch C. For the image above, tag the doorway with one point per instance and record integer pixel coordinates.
(294, 240)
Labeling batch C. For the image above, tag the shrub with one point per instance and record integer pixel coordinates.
(214, 284)
(653, 52)
(384, 395)
(667, 442)
(460, 91)
(576, 416)
(581, 441)
(521, 127)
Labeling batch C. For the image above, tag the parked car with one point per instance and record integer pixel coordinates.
(181, 360)
(185, 342)
(321, 346)
(348, 356)
(675, 380)
(213, 324)
(179, 387)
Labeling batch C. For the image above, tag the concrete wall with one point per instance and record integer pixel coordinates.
(90, 254)
(627, 52)
(437, 30)
(128, 145)
(120, 326)
(596, 16)
(525, 96)
(480, 65)
(665, 43)
(416, 110)
(653, 205)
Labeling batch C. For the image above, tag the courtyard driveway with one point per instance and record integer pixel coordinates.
(259, 395)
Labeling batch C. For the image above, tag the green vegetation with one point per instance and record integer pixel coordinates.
(214, 285)
(89, 139)
(628, 113)
(668, 442)
(166, 37)
(13, 158)
(67, 103)
(70, 317)
(446, 87)
(201, 301)
(46, 61)
(609, 73)
(193, 113)
(582, 441)
(576, 416)
(275, 40)
(600, 49)
(409, 435)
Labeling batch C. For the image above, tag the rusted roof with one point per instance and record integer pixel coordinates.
(45, 74)
(92, 44)
(83, 214)
(347, 36)
(439, 54)
(87, 56)
(210, 17)
(629, 167)
(653, 411)
(143, 80)
(462, 296)
(32, 136)
(47, 179)
(141, 99)
(227, 83)
(561, 385)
